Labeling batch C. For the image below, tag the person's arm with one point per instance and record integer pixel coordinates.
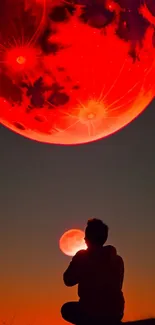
(71, 276)
(120, 270)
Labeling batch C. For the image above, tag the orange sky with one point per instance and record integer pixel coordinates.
(38, 300)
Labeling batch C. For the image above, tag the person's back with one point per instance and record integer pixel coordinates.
(99, 273)
(99, 287)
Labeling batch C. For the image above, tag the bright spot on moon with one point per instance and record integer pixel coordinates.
(72, 241)
(21, 59)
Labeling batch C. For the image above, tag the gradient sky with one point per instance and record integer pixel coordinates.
(46, 189)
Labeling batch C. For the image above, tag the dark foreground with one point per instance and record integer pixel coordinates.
(149, 321)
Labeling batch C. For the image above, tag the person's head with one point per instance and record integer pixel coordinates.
(96, 232)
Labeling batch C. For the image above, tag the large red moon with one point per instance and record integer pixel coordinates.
(75, 71)
(72, 241)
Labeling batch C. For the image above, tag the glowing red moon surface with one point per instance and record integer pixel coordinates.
(72, 241)
(74, 71)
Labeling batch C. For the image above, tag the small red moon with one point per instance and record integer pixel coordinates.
(72, 241)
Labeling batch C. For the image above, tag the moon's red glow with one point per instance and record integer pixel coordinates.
(71, 73)
(72, 241)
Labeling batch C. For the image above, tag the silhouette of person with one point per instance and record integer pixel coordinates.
(99, 273)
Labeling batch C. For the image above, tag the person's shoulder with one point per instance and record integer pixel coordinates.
(80, 254)
(119, 257)
(119, 261)
(110, 249)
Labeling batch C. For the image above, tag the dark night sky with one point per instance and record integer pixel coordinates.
(46, 189)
